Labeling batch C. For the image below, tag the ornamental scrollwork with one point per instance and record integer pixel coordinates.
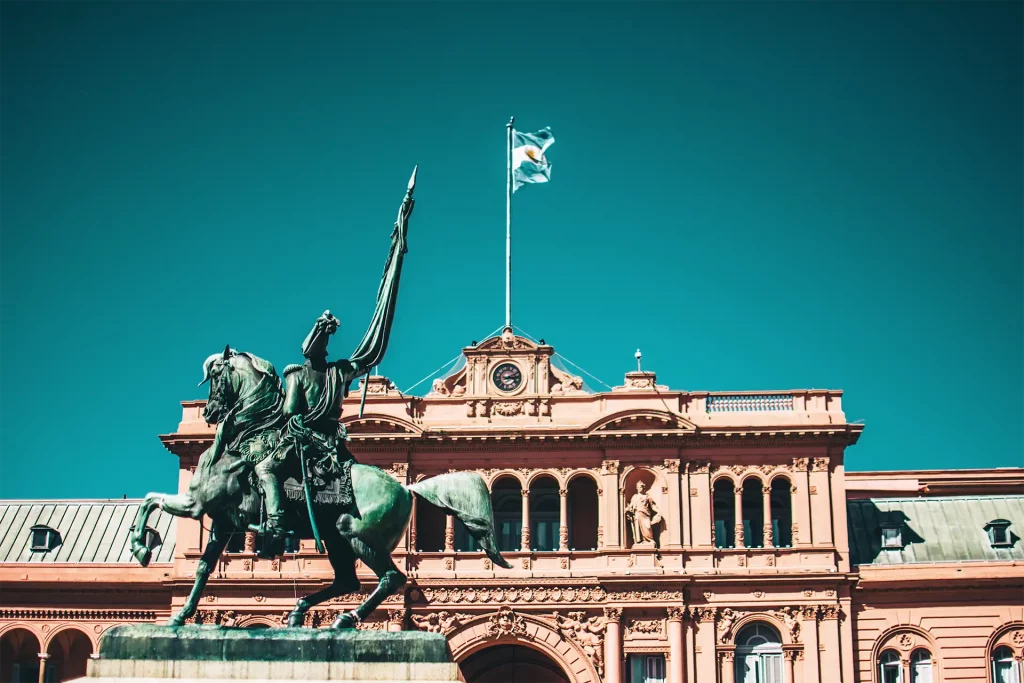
(819, 465)
(506, 622)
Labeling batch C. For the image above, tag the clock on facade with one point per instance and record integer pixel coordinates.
(507, 377)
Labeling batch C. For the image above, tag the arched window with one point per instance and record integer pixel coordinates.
(507, 503)
(582, 513)
(753, 513)
(758, 654)
(725, 514)
(544, 512)
(889, 668)
(1004, 668)
(921, 667)
(782, 513)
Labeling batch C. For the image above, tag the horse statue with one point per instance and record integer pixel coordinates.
(269, 437)
(245, 402)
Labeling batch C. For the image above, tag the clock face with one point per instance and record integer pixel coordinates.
(507, 377)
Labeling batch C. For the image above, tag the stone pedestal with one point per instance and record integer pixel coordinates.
(136, 653)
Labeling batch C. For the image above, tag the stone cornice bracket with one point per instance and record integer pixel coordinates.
(819, 465)
(800, 464)
(672, 466)
(609, 467)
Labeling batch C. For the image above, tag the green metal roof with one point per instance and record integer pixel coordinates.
(939, 529)
(90, 531)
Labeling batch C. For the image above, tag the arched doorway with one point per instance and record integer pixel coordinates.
(511, 664)
(69, 654)
(19, 656)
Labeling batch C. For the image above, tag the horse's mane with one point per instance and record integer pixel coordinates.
(261, 398)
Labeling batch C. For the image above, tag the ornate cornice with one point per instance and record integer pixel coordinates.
(79, 614)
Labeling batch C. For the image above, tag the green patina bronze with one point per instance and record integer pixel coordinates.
(279, 463)
(216, 643)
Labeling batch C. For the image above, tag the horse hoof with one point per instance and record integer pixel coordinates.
(346, 620)
(295, 620)
(143, 555)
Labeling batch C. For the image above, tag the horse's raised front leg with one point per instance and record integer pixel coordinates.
(179, 505)
(391, 581)
(345, 581)
(214, 548)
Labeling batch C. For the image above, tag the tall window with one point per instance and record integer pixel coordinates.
(1004, 668)
(725, 514)
(921, 667)
(889, 668)
(782, 513)
(646, 669)
(464, 541)
(582, 512)
(507, 501)
(753, 513)
(544, 513)
(759, 655)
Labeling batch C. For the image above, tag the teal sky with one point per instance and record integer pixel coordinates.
(759, 196)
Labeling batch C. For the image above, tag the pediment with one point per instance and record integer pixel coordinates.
(380, 424)
(641, 421)
(507, 342)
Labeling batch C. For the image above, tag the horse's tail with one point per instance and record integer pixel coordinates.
(465, 495)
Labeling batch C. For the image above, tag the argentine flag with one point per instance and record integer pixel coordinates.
(528, 162)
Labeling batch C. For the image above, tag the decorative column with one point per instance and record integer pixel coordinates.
(396, 619)
(809, 632)
(790, 665)
(846, 640)
(728, 666)
(524, 543)
(449, 533)
(820, 501)
(613, 645)
(704, 650)
(676, 663)
(611, 523)
(43, 656)
(563, 519)
(412, 526)
(801, 504)
(400, 471)
(829, 638)
(766, 499)
(737, 495)
(699, 499)
(673, 521)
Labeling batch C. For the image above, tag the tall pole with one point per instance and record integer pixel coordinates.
(508, 230)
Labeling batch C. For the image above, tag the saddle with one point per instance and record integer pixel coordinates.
(330, 485)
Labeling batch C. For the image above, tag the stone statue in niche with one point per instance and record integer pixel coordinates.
(643, 517)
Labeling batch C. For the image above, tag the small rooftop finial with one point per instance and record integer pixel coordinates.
(638, 356)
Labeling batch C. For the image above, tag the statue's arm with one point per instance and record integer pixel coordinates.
(371, 349)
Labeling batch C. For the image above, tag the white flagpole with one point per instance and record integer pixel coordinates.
(508, 231)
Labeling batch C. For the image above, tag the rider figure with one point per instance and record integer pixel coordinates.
(315, 390)
(312, 404)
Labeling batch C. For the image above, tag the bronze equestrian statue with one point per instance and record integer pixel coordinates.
(284, 450)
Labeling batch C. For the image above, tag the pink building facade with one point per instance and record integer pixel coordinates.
(769, 561)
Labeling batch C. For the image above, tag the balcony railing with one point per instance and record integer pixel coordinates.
(749, 403)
